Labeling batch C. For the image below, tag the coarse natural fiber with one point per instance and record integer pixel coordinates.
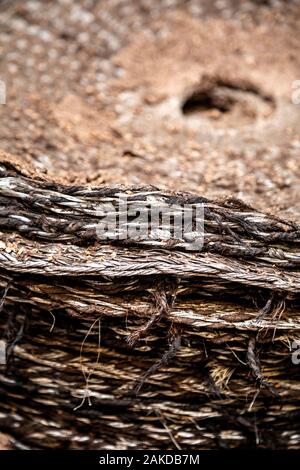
(141, 343)
(152, 342)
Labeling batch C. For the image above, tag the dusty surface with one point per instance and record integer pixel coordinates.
(167, 93)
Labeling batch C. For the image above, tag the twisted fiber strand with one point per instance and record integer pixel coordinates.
(53, 374)
(43, 210)
(202, 312)
(18, 255)
(208, 387)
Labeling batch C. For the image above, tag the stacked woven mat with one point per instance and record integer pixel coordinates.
(126, 344)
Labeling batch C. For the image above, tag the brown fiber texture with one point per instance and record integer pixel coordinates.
(143, 343)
